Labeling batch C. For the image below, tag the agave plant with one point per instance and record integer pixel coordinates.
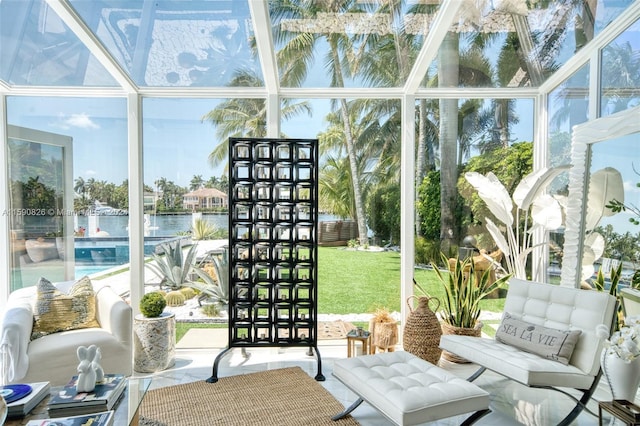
(215, 289)
(173, 266)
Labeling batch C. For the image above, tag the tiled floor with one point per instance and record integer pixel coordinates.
(511, 403)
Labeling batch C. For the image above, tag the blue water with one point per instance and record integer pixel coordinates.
(82, 270)
(167, 225)
(116, 226)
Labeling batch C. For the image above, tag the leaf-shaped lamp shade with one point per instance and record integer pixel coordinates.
(605, 185)
(595, 242)
(499, 239)
(546, 212)
(587, 269)
(494, 194)
(533, 184)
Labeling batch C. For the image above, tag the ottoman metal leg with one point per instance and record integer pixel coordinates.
(347, 411)
(475, 417)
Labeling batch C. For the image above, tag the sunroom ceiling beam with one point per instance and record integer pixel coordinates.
(69, 16)
(259, 10)
(582, 56)
(437, 31)
(67, 91)
(261, 92)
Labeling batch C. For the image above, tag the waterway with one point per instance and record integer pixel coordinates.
(162, 225)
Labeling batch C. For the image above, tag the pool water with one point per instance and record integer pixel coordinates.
(82, 270)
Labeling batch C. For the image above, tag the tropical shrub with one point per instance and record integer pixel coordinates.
(152, 304)
(203, 230)
(426, 251)
(383, 212)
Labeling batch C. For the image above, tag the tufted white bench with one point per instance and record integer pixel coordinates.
(409, 390)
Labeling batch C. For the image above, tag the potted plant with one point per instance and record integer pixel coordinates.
(384, 331)
(154, 334)
(463, 291)
(620, 359)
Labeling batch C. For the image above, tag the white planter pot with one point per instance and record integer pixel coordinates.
(623, 378)
(154, 343)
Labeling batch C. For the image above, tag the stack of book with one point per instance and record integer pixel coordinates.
(68, 402)
(23, 398)
(95, 419)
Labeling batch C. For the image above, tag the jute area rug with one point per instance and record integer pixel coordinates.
(282, 397)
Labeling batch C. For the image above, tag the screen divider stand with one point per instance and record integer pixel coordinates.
(273, 250)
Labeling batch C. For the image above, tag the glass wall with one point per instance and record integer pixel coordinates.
(487, 136)
(620, 76)
(71, 154)
(617, 160)
(69, 192)
(185, 159)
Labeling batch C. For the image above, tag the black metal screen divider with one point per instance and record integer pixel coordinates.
(273, 247)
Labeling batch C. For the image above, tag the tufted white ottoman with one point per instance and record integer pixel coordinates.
(408, 390)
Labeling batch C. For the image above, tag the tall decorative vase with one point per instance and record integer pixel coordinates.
(422, 331)
(623, 378)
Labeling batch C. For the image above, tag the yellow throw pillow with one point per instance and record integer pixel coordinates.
(56, 311)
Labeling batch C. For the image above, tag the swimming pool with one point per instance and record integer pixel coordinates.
(88, 269)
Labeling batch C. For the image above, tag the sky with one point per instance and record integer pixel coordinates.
(177, 142)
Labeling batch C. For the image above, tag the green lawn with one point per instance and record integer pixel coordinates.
(352, 281)
(183, 327)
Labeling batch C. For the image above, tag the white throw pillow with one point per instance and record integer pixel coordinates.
(550, 343)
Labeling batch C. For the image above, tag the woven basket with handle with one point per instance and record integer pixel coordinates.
(460, 331)
(421, 335)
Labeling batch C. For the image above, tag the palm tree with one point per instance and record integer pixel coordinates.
(197, 182)
(448, 75)
(90, 188)
(335, 191)
(212, 182)
(80, 187)
(295, 60)
(244, 117)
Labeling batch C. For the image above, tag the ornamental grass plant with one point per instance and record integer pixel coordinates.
(463, 291)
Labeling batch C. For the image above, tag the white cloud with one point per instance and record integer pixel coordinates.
(631, 186)
(82, 121)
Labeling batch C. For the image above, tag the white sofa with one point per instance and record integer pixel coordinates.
(551, 306)
(53, 357)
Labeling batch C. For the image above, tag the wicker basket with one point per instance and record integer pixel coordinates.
(460, 331)
(421, 335)
(384, 335)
